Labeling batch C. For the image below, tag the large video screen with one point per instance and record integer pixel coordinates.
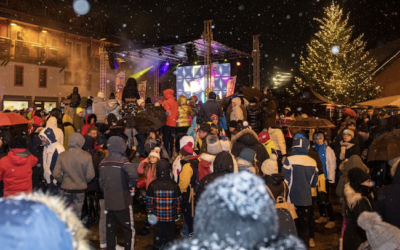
(190, 80)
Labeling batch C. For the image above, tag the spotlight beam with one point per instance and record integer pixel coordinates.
(140, 73)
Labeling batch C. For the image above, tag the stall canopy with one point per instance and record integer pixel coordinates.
(308, 95)
(383, 102)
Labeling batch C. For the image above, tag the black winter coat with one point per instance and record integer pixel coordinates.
(130, 90)
(355, 150)
(275, 183)
(75, 98)
(209, 108)
(388, 202)
(253, 116)
(269, 114)
(36, 148)
(248, 139)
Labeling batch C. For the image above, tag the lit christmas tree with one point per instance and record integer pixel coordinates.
(337, 67)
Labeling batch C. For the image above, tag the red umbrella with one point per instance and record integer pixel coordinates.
(350, 112)
(9, 119)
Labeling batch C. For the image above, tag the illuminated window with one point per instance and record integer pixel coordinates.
(68, 48)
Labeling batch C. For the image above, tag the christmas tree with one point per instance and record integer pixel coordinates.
(337, 67)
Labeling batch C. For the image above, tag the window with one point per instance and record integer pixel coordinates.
(19, 76)
(68, 48)
(42, 78)
(54, 42)
(67, 77)
(78, 49)
(89, 51)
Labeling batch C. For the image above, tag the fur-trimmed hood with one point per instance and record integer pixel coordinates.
(353, 162)
(352, 197)
(246, 136)
(207, 157)
(65, 233)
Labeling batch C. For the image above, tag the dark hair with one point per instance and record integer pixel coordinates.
(92, 129)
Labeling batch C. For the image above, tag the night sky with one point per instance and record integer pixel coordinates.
(285, 25)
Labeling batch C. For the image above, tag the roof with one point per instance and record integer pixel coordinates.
(383, 102)
(308, 95)
(151, 50)
(385, 54)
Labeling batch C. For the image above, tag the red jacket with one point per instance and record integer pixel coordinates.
(85, 128)
(16, 171)
(171, 106)
(205, 165)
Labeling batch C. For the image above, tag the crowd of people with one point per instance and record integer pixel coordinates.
(227, 169)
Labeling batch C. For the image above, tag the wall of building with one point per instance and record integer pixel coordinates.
(389, 79)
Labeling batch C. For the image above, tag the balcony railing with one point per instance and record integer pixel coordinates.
(5, 48)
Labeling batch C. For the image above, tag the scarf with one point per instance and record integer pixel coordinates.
(343, 147)
(322, 156)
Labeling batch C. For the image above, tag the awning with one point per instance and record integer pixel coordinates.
(383, 102)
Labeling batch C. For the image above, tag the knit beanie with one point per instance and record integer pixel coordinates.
(349, 132)
(185, 140)
(155, 152)
(270, 166)
(357, 176)
(236, 207)
(78, 110)
(381, 235)
(18, 141)
(248, 155)
(226, 144)
(213, 145)
(263, 137)
(187, 149)
(101, 95)
(363, 128)
(245, 125)
(318, 135)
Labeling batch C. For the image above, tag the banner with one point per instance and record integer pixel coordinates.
(119, 85)
(230, 86)
(142, 89)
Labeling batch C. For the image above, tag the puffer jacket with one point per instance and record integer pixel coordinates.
(171, 106)
(278, 138)
(16, 171)
(68, 129)
(75, 98)
(253, 116)
(74, 167)
(237, 112)
(184, 111)
(101, 109)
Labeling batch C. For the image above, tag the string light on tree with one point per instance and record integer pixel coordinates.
(343, 77)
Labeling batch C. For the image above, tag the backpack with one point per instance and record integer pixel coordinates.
(281, 202)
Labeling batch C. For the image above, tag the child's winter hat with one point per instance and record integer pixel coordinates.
(213, 145)
(185, 140)
(226, 144)
(214, 116)
(381, 235)
(155, 152)
(246, 125)
(187, 149)
(263, 137)
(248, 155)
(78, 110)
(270, 166)
(348, 132)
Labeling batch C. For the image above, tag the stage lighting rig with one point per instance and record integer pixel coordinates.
(173, 51)
(140, 53)
(160, 52)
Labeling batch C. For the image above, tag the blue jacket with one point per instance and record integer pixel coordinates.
(301, 173)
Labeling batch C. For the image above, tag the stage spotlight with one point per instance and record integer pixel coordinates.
(173, 51)
(238, 63)
(140, 53)
(160, 52)
(167, 63)
(195, 62)
(225, 60)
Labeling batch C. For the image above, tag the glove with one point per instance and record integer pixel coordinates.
(364, 154)
(178, 218)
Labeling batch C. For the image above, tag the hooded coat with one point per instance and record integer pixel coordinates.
(117, 176)
(163, 196)
(102, 109)
(50, 153)
(223, 164)
(388, 202)
(78, 123)
(254, 116)
(301, 173)
(75, 98)
(247, 138)
(269, 114)
(171, 106)
(236, 212)
(68, 129)
(52, 123)
(353, 162)
(236, 113)
(16, 171)
(85, 128)
(277, 137)
(184, 111)
(74, 167)
(130, 90)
